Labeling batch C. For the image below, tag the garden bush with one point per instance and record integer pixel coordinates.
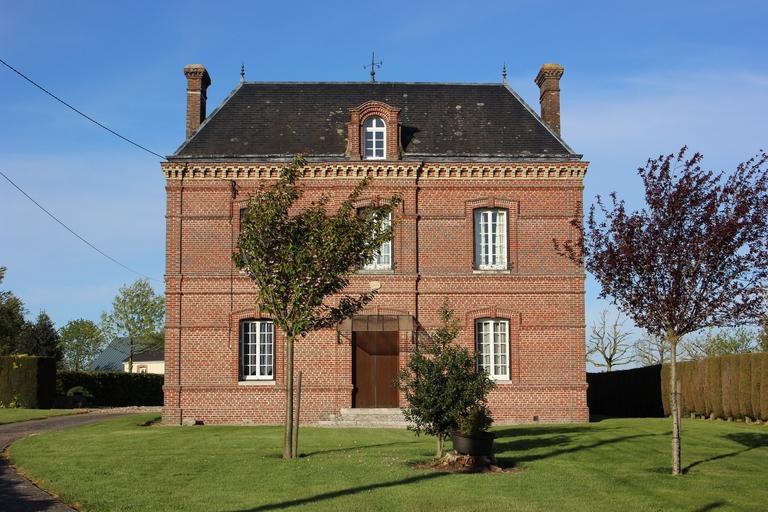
(113, 389)
(27, 381)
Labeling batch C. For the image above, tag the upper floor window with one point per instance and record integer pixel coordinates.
(383, 259)
(491, 239)
(492, 336)
(374, 138)
(257, 349)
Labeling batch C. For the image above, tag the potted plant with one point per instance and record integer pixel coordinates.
(472, 436)
(442, 384)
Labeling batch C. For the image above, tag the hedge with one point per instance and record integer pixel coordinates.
(731, 386)
(30, 381)
(114, 389)
(631, 393)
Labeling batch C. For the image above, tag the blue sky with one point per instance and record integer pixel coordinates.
(641, 78)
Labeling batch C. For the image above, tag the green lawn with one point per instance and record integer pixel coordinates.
(610, 465)
(14, 415)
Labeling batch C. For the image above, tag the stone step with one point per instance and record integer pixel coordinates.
(379, 418)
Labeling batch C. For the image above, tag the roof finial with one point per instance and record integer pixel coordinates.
(373, 66)
(242, 71)
(504, 73)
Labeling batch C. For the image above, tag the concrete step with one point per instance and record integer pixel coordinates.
(378, 418)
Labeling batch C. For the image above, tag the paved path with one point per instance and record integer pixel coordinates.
(17, 494)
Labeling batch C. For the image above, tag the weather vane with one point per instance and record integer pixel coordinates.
(242, 71)
(504, 73)
(373, 66)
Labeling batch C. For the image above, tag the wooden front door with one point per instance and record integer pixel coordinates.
(374, 369)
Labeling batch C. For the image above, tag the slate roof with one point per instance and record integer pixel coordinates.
(111, 358)
(148, 355)
(266, 120)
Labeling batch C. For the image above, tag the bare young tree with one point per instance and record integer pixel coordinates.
(650, 350)
(608, 344)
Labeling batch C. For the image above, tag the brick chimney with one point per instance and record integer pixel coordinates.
(197, 85)
(548, 81)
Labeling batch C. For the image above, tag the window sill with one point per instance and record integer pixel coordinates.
(374, 271)
(491, 271)
(256, 383)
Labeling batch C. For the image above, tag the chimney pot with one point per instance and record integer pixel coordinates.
(548, 81)
(198, 81)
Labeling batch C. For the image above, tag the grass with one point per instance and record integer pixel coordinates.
(14, 415)
(615, 464)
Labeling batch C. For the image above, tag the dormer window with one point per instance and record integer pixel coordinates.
(374, 138)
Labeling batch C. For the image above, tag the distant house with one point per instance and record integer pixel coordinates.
(114, 358)
(149, 361)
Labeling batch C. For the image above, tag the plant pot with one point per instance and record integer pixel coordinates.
(476, 445)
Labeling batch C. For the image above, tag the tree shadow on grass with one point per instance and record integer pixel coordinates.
(749, 441)
(356, 447)
(711, 506)
(343, 492)
(560, 442)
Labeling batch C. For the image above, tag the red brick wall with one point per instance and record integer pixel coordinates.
(542, 294)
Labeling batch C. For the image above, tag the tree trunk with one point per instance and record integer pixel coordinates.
(295, 433)
(674, 405)
(287, 445)
(130, 355)
(440, 451)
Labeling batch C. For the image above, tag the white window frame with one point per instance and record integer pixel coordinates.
(382, 260)
(491, 233)
(259, 336)
(374, 131)
(492, 347)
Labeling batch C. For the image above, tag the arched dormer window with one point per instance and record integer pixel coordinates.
(374, 138)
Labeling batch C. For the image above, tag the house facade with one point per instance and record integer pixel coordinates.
(486, 183)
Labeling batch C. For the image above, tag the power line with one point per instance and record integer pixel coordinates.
(89, 244)
(46, 91)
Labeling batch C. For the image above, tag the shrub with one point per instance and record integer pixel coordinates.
(475, 422)
(755, 367)
(745, 386)
(28, 381)
(113, 389)
(715, 385)
(764, 387)
(441, 383)
(80, 396)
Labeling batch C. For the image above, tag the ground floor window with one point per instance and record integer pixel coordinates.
(492, 336)
(257, 349)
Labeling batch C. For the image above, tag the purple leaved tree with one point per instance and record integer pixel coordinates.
(694, 256)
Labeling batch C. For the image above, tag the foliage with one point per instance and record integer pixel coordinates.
(719, 342)
(475, 422)
(114, 389)
(729, 386)
(81, 342)
(11, 319)
(607, 345)
(441, 383)
(40, 338)
(695, 256)
(762, 335)
(137, 314)
(563, 467)
(29, 381)
(301, 256)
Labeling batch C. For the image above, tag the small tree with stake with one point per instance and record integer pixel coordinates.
(441, 383)
(301, 260)
(695, 257)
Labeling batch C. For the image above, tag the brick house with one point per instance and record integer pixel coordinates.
(486, 185)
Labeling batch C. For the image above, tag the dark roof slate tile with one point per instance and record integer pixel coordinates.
(444, 120)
